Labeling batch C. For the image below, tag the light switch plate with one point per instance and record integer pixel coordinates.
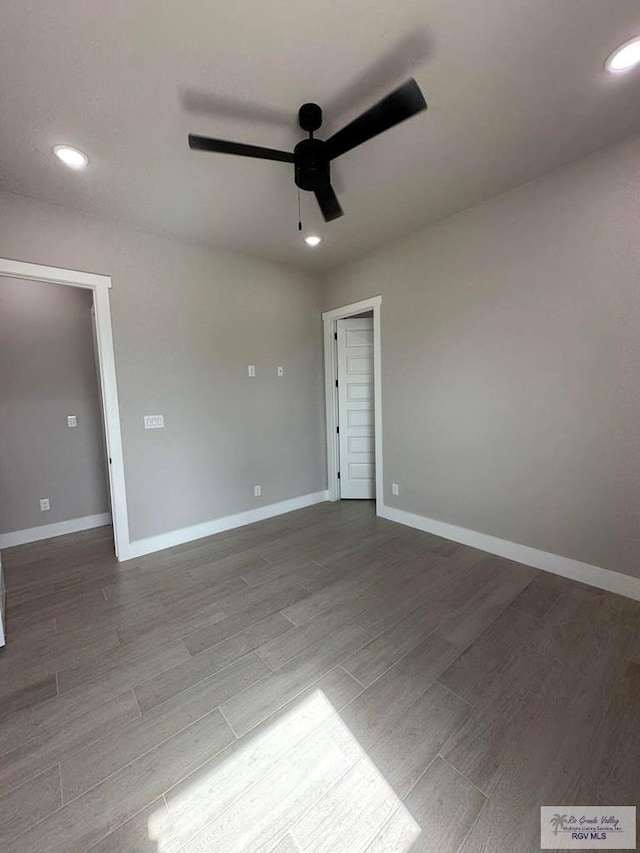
(251, 370)
(154, 421)
(72, 421)
(280, 371)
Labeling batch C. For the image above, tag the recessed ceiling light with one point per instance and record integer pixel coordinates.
(312, 240)
(624, 57)
(71, 156)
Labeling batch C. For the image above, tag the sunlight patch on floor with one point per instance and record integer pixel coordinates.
(303, 773)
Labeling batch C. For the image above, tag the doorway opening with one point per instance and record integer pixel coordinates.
(353, 400)
(99, 286)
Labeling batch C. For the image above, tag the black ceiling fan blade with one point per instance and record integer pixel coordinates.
(329, 204)
(222, 146)
(396, 107)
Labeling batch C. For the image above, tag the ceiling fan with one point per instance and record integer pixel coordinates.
(312, 157)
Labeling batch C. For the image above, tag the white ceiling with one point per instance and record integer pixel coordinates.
(515, 88)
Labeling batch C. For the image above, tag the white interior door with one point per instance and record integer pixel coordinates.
(355, 408)
(96, 357)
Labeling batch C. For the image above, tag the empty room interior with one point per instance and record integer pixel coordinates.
(319, 426)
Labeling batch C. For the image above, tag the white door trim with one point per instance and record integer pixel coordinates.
(100, 285)
(330, 319)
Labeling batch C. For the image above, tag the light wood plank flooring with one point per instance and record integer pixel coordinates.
(324, 681)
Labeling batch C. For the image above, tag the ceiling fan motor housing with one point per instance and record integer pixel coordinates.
(310, 158)
(312, 170)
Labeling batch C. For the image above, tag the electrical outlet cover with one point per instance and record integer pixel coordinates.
(154, 421)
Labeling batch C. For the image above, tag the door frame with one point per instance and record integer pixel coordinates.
(100, 285)
(329, 319)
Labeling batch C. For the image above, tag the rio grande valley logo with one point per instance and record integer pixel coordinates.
(588, 828)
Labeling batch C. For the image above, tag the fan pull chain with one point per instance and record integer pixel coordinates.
(299, 213)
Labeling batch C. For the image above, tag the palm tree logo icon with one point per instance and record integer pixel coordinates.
(557, 821)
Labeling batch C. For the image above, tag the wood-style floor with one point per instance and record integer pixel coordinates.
(322, 681)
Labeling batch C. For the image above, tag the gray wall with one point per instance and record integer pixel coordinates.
(511, 363)
(187, 320)
(47, 371)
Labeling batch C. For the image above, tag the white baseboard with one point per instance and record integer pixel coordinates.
(568, 568)
(48, 531)
(140, 547)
